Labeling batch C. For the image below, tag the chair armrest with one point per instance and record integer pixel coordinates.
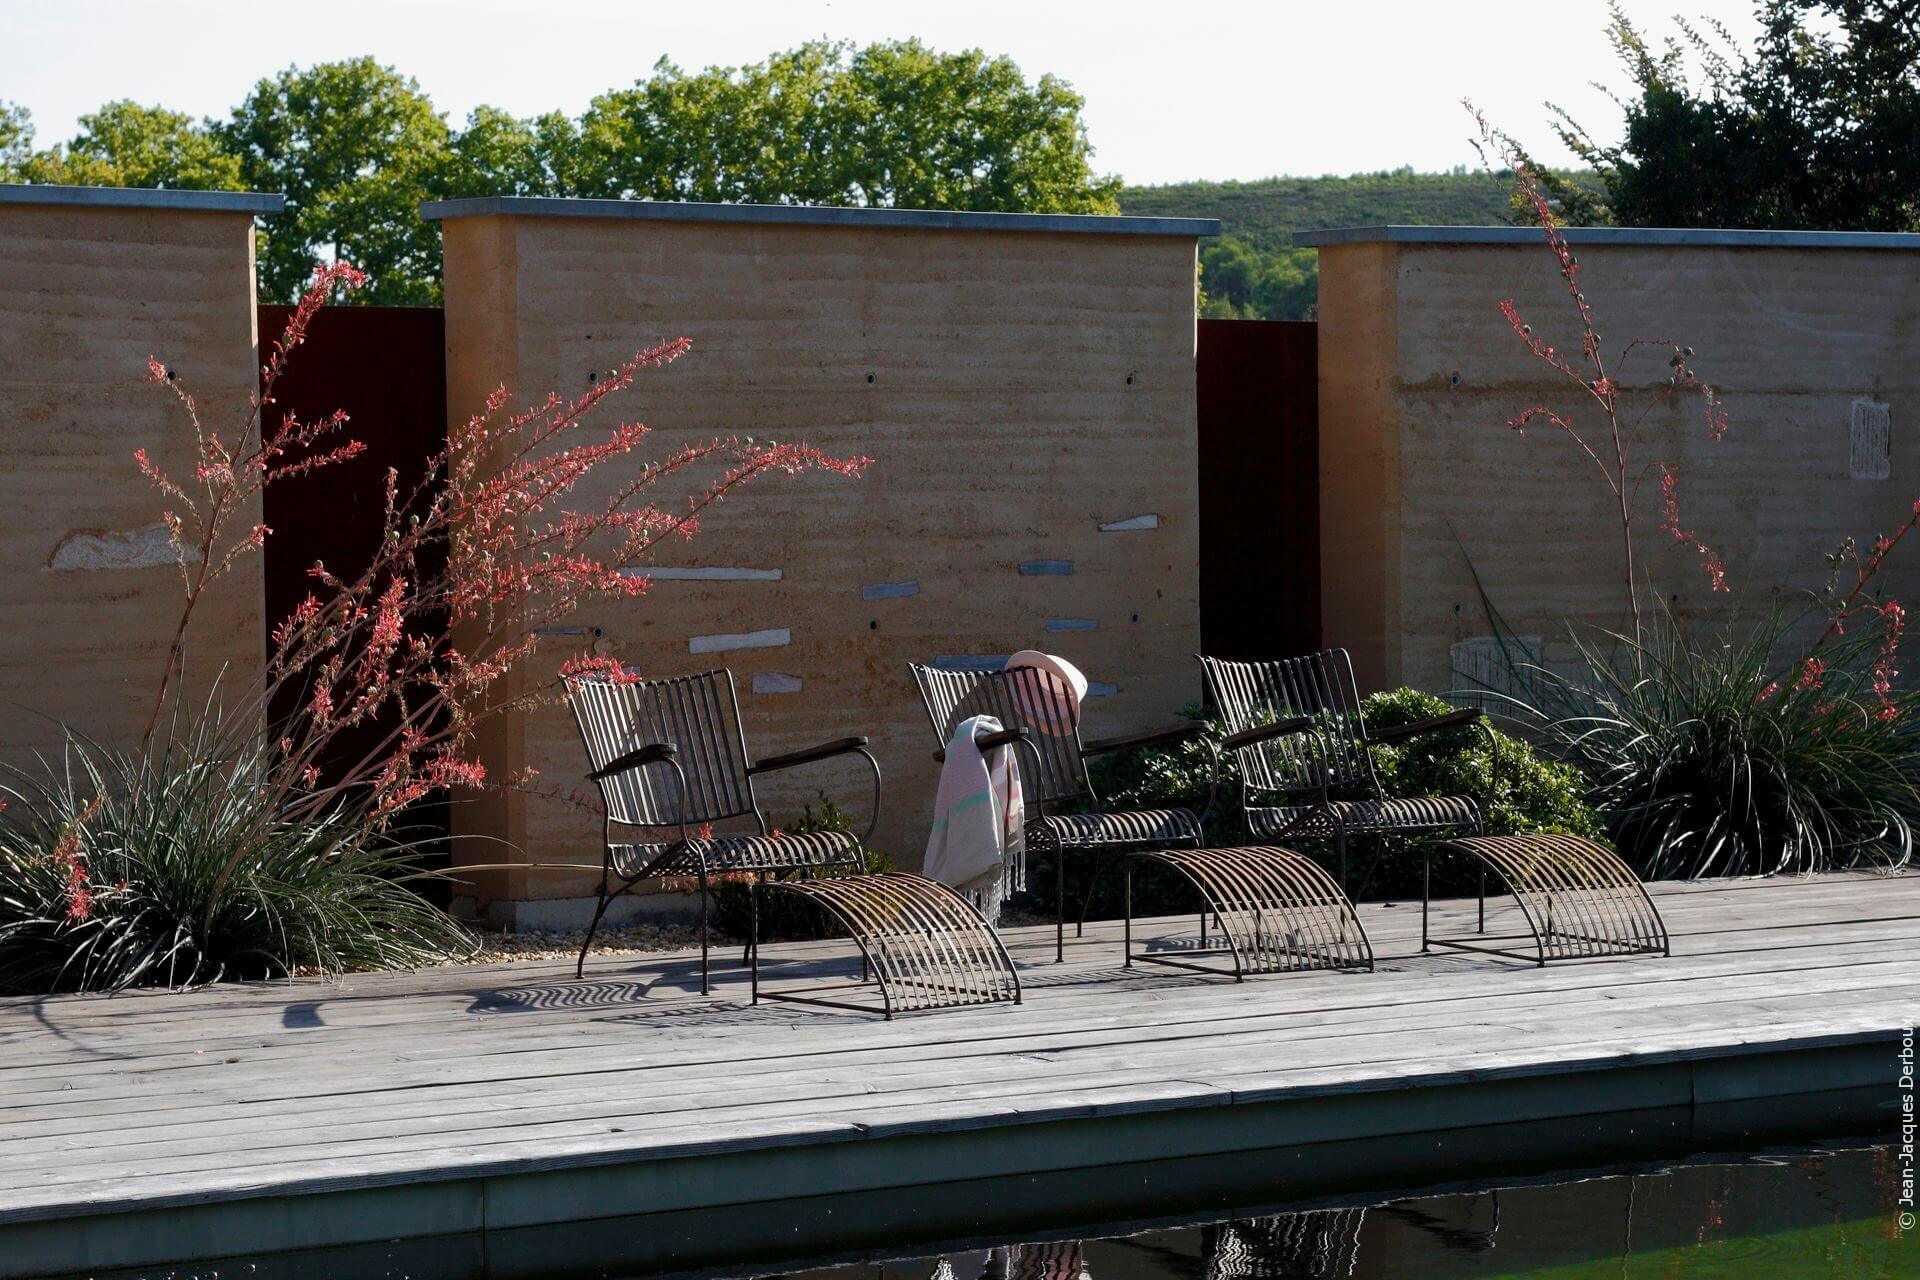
(826, 750)
(988, 741)
(1420, 728)
(1266, 732)
(1178, 733)
(652, 753)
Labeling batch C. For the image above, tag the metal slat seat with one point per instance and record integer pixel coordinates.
(1426, 813)
(1296, 731)
(802, 851)
(1140, 826)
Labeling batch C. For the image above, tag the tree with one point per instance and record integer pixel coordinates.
(154, 147)
(1818, 126)
(894, 124)
(16, 140)
(355, 147)
(964, 131)
(1242, 283)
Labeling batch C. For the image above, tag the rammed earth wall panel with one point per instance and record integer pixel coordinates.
(1018, 385)
(91, 283)
(1421, 476)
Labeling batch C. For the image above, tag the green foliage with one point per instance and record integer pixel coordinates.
(1253, 272)
(1817, 126)
(16, 140)
(1725, 758)
(186, 873)
(1533, 794)
(355, 147)
(1241, 283)
(784, 918)
(891, 124)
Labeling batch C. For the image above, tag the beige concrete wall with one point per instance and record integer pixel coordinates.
(1017, 390)
(1420, 474)
(91, 590)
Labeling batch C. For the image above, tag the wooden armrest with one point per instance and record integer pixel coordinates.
(838, 747)
(1178, 733)
(1419, 728)
(652, 753)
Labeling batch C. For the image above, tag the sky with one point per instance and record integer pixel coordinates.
(1234, 91)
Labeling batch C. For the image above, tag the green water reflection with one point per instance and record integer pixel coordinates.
(1807, 1216)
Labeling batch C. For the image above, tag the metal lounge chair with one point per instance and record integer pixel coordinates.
(669, 756)
(1053, 771)
(1295, 729)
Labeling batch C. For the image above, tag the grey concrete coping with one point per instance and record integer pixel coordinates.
(1697, 237)
(813, 215)
(142, 198)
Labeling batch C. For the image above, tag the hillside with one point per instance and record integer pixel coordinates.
(1254, 272)
(1265, 213)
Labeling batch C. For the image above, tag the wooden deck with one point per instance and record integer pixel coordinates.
(162, 1126)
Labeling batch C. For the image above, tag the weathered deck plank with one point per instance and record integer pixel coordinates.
(518, 1078)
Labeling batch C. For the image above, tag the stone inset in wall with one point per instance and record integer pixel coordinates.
(1131, 523)
(1870, 440)
(889, 590)
(148, 547)
(772, 638)
(1045, 568)
(660, 573)
(776, 682)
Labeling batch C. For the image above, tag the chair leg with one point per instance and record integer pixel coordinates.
(706, 980)
(599, 910)
(753, 937)
(753, 940)
(1060, 906)
(1426, 894)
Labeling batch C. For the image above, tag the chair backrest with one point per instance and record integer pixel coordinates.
(1023, 698)
(1321, 685)
(697, 715)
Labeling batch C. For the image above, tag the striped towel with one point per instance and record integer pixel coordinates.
(978, 843)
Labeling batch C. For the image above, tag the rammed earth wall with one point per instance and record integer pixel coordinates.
(1812, 339)
(1025, 385)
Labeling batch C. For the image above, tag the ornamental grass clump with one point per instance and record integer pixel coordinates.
(176, 866)
(1722, 758)
(263, 832)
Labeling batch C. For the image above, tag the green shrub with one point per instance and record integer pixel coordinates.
(1535, 794)
(1726, 758)
(783, 917)
(178, 868)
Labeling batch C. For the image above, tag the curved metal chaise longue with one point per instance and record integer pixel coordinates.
(1295, 729)
(670, 759)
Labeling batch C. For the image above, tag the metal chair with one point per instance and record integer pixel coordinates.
(670, 755)
(1053, 770)
(1295, 729)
